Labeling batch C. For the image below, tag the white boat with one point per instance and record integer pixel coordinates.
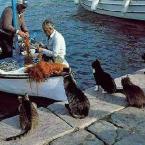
(18, 82)
(129, 9)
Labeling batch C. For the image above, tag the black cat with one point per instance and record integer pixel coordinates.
(134, 94)
(79, 104)
(104, 79)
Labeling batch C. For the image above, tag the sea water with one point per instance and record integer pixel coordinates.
(117, 43)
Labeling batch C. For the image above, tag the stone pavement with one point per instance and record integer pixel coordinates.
(110, 122)
(48, 130)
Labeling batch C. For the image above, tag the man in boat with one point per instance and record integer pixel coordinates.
(56, 47)
(7, 30)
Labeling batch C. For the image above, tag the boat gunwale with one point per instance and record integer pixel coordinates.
(22, 76)
(132, 3)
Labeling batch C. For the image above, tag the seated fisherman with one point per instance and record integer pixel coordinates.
(7, 30)
(56, 43)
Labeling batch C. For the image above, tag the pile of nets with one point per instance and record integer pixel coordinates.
(39, 72)
(8, 64)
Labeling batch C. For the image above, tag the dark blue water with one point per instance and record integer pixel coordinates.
(117, 43)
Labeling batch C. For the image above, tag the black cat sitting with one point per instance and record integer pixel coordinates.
(104, 79)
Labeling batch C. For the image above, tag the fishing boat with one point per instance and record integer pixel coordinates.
(17, 81)
(129, 9)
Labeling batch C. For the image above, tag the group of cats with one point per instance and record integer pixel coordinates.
(78, 107)
(78, 104)
(134, 94)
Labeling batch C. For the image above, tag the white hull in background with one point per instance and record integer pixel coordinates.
(129, 9)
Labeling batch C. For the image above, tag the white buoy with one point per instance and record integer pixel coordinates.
(76, 1)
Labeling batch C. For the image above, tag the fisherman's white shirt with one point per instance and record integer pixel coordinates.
(56, 45)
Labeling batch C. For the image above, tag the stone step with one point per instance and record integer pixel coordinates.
(101, 106)
(81, 137)
(134, 139)
(106, 131)
(125, 127)
(50, 127)
(130, 118)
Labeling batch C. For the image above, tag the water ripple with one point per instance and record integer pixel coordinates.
(118, 43)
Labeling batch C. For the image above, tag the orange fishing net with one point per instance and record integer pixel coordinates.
(27, 42)
(28, 57)
(39, 72)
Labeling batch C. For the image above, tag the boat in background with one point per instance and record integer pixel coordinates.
(129, 9)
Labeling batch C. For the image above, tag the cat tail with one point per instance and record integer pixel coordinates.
(119, 91)
(19, 135)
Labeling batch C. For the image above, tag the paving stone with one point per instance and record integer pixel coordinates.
(131, 118)
(100, 108)
(81, 137)
(116, 98)
(133, 139)
(108, 133)
(91, 92)
(50, 127)
(122, 133)
(60, 110)
(105, 131)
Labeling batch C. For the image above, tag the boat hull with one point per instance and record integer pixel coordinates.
(135, 9)
(52, 88)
